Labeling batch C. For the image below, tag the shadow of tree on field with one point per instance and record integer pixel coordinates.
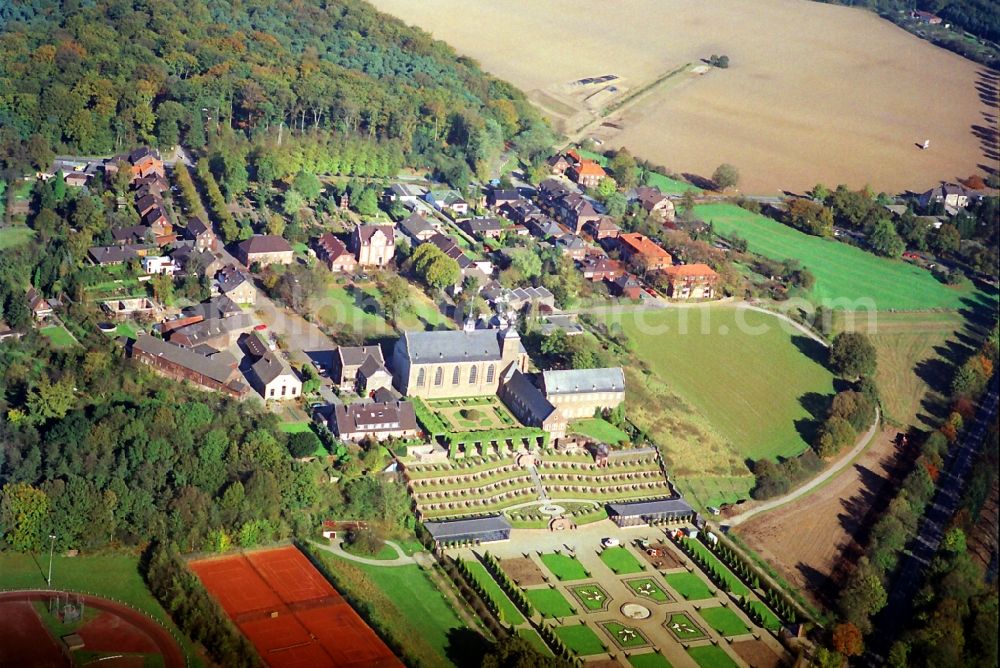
(811, 348)
(466, 647)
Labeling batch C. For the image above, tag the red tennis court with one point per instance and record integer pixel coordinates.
(289, 611)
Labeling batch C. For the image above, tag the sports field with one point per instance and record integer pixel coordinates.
(291, 614)
(852, 87)
(847, 277)
(750, 377)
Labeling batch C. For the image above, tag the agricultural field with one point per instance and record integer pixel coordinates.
(847, 277)
(740, 371)
(850, 121)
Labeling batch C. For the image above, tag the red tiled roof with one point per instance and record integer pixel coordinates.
(590, 168)
(697, 270)
(642, 245)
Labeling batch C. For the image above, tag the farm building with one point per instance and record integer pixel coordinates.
(482, 529)
(636, 513)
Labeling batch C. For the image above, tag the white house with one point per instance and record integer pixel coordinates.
(273, 378)
(159, 264)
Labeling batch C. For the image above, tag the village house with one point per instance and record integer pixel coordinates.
(691, 281)
(639, 249)
(237, 285)
(218, 372)
(520, 299)
(373, 245)
(482, 228)
(655, 203)
(159, 264)
(575, 211)
(133, 234)
(263, 250)
(38, 305)
(558, 164)
(573, 246)
(579, 393)
(404, 193)
(274, 379)
(147, 203)
(199, 232)
(194, 261)
(372, 376)
(111, 255)
(216, 307)
(218, 333)
(519, 212)
(347, 360)
(954, 196)
(498, 197)
(332, 252)
(417, 229)
(598, 268)
(447, 201)
(141, 162)
(603, 228)
(628, 286)
(456, 363)
(545, 228)
(376, 421)
(151, 184)
(550, 192)
(586, 173)
(530, 406)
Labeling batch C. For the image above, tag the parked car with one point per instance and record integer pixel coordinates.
(610, 542)
(260, 328)
(714, 510)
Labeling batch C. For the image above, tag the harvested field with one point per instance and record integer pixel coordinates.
(757, 654)
(852, 87)
(523, 571)
(825, 523)
(291, 614)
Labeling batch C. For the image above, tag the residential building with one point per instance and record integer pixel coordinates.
(519, 299)
(147, 203)
(133, 234)
(141, 162)
(347, 360)
(199, 232)
(274, 379)
(159, 264)
(372, 376)
(334, 254)
(218, 333)
(417, 229)
(111, 255)
(237, 285)
(558, 164)
(216, 307)
(482, 228)
(603, 228)
(628, 286)
(954, 196)
(498, 197)
(530, 406)
(38, 305)
(545, 228)
(691, 281)
(456, 363)
(404, 193)
(599, 268)
(586, 173)
(218, 372)
(573, 246)
(520, 211)
(264, 249)
(579, 393)
(374, 245)
(447, 201)
(655, 203)
(575, 211)
(639, 249)
(550, 191)
(376, 421)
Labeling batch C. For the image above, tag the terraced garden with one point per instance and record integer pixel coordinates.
(454, 490)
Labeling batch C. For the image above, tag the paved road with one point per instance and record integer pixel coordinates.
(924, 546)
(337, 548)
(805, 489)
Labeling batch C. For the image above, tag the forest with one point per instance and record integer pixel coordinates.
(95, 78)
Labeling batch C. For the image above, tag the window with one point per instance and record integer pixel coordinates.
(283, 389)
(455, 379)
(473, 372)
(421, 377)
(272, 391)
(490, 372)
(439, 376)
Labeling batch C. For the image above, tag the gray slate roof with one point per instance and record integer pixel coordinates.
(356, 355)
(447, 529)
(453, 346)
(390, 416)
(269, 367)
(216, 307)
(215, 368)
(529, 396)
(650, 508)
(579, 381)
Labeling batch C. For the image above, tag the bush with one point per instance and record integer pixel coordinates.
(303, 444)
(472, 414)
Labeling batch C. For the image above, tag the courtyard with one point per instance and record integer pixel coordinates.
(473, 414)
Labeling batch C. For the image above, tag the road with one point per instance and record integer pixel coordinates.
(805, 489)
(921, 550)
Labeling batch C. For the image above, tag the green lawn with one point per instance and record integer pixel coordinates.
(535, 640)
(735, 584)
(549, 602)
(126, 329)
(648, 588)
(627, 637)
(15, 235)
(711, 656)
(403, 600)
(385, 553)
(115, 577)
(666, 184)
(715, 491)
(564, 567)
(847, 277)
(58, 335)
(342, 310)
(771, 621)
(599, 430)
(689, 585)
(683, 627)
(294, 427)
(592, 596)
(741, 370)
(580, 639)
(724, 621)
(651, 660)
(621, 561)
(508, 611)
